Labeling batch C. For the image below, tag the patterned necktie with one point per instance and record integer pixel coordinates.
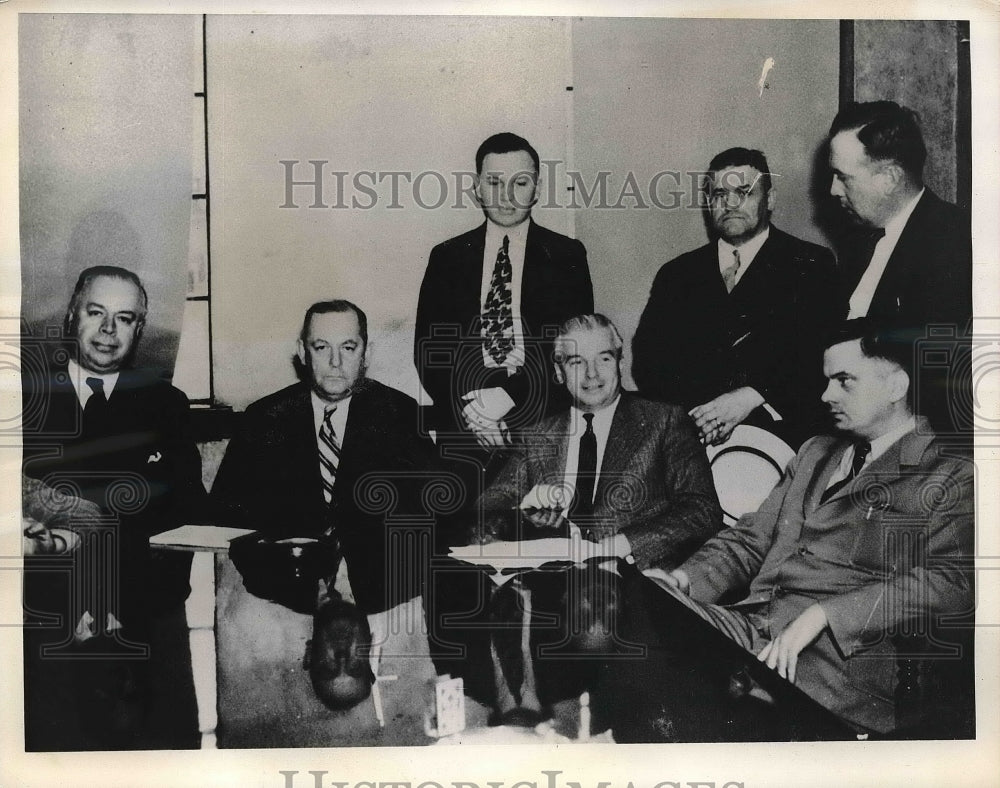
(586, 473)
(329, 454)
(95, 412)
(497, 317)
(861, 451)
(729, 274)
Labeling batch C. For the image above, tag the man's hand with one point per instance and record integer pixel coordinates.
(492, 434)
(676, 578)
(37, 539)
(484, 414)
(545, 504)
(486, 406)
(782, 653)
(717, 418)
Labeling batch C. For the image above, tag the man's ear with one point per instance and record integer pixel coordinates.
(893, 175)
(138, 330)
(770, 199)
(368, 354)
(300, 351)
(559, 376)
(899, 385)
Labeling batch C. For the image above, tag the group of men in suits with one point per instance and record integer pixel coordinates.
(526, 386)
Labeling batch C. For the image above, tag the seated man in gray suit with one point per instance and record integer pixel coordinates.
(869, 536)
(636, 483)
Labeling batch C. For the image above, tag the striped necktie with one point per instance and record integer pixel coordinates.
(329, 453)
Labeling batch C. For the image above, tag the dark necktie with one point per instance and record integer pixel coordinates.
(329, 454)
(498, 319)
(586, 473)
(861, 451)
(729, 274)
(95, 412)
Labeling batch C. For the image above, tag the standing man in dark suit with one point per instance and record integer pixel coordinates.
(635, 482)
(488, 299)
(730, 330)
(909, 259)
(305, 460)
(868, 537)
(118, 439)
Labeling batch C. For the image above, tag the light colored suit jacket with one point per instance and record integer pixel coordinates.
(655, 485)
(886, 555)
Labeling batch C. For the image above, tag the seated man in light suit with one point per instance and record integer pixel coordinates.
(637, 481)
(868, 536)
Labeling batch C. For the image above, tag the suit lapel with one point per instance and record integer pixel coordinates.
(536, 256)
(887, 299)
(619, 449)
(467, 286)
(906, 451)
(825, 468)
(303, 451)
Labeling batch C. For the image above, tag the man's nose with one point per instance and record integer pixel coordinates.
(334, 357)
(828, 394)
(108, 325)
(836, 187)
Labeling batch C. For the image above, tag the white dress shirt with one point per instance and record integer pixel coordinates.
(578, 426)
(517, 238)
(78, 377)
(339, 419)
(861, 298)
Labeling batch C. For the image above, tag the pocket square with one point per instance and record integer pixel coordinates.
(154, 458)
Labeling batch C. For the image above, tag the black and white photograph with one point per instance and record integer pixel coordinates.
(610, 395)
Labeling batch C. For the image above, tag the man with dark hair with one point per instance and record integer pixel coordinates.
(909, 257)
(868, 536)
(635, 482)
(111, 447)
(487, 300)
(300, 461)
(730, 330)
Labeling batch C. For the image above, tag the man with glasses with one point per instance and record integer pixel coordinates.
(730, 330)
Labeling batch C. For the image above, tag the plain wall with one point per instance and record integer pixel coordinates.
(885, 68)
(105, 161)
(654, 95)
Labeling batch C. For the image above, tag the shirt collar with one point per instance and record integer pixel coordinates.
(748, 250)
(339, 419)
(78, 376)
(894, 227)
(881, 444)
(602, 418)
(517, 236)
